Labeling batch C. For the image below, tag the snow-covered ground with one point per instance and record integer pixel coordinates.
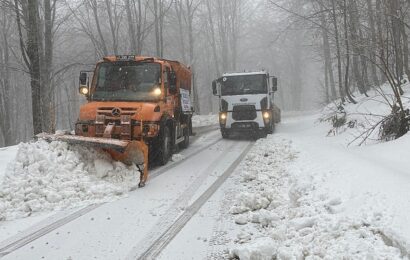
(46, 176)
(305, 195)
(308, 196)
(204, 120)
(301, 193)
(38, 176)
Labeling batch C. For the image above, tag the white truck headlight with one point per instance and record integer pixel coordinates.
(222, 118)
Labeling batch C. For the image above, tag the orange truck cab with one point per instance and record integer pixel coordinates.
(142, 101)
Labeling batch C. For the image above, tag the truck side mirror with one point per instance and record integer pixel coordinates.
(274, 84)
(172, 82)
(214, 90)
(84, 86)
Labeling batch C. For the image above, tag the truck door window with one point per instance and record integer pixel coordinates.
(166, 79)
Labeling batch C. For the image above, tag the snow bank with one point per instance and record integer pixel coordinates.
(7, 154)
(362, 117)
(285, 210)
(204, 120)
(47, 176)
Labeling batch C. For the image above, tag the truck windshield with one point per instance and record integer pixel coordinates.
(243, 84)
(127, 81)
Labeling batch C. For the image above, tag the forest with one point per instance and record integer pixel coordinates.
(322, 51)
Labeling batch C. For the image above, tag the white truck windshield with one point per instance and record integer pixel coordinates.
(243, 85)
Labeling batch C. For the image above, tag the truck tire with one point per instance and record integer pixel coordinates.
(185, 143)
(164, 146)
(225, 134)
(270, 128)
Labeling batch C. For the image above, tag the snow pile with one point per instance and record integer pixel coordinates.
(7, 155)
(204, 120)
(47, 176)
(360, 122)
(285, 211)
(177, 157)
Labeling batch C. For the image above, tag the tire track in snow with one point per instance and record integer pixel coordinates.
(16, 242)
(155, 247)
(218, 238)
(13, 246)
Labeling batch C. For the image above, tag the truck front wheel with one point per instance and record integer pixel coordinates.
(270, 128)
(184, 144)
(225, 134)
(165, 146)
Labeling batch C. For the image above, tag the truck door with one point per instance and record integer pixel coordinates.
(169, 99)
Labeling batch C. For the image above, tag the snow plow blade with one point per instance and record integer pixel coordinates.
(104, 143)
(128, 152)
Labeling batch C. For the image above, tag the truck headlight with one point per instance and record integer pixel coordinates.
(266, 117)
(222, 118)
(84, 90)
(157, 92)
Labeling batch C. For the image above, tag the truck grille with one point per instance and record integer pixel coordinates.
(244, 112)
(108, 111)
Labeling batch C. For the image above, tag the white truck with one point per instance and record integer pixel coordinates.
(246, 103)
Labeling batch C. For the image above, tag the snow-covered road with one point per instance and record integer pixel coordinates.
(127, 227)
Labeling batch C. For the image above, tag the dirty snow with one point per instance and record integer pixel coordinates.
(46, 176)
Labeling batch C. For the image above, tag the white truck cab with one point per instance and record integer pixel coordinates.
(246, 103)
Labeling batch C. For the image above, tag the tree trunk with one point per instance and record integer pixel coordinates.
(34, 56)
(405, 50)
(234, 24)
(339, 62)
(358, 76)
(213, 41)
(140, 33)
(157, 33)
(373, 44)
(47, 95)
(103, 45)
(161, 28)
(327, 56)
(396, 25)
(131, 27)
(112, 26)
(190, 18)
(179, 12)
(347, 45)
(223, 34)
(380, 38)
(6, 92)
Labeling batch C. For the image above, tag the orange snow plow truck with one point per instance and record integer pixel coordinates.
(138, 110)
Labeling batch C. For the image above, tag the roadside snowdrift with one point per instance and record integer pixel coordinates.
(288, 208)
(360, 122)
(204, 120)
(306, 194)
(46, 176)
